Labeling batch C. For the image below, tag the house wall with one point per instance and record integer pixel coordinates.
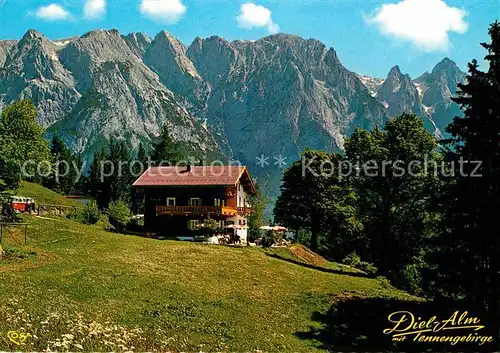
(241, 196)
(177, 225)
(157, 196)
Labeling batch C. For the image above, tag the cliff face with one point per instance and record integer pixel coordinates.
(95, 88)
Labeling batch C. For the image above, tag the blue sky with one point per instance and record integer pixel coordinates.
(369, 36)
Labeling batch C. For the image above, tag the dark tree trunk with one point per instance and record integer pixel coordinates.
(315, 229)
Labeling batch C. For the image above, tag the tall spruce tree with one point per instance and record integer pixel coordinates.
(258, 201)
(65, 163)
(95, 178)
(167, 150)
(118, 179)
(470, 244)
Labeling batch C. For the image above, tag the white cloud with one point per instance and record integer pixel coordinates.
(256, 16)
(425, 23)
(166, 11)
(94, 9)
(52, 12)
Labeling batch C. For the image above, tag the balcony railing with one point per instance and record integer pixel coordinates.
(196, 210)
(203, 210)
(244, 211)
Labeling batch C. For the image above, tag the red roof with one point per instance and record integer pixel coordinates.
(197, 175)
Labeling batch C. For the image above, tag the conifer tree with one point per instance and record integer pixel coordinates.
(470, 244)
(166, 151)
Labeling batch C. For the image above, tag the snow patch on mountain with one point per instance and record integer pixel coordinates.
(371, 83)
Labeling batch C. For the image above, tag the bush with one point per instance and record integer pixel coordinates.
(354, 260)
(253, 235)
(90, 213)
(271, 237)
(384, 282)
(119, 214)
(210, 226)
(410, 278)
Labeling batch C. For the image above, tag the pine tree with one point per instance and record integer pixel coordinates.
(118, 179)
(65, 162)
(258, 201)
(142, 156)
(95, 180)
(166, 151)
(470, 241)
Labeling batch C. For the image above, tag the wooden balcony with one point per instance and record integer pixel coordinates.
(244, 211)
(197, 210)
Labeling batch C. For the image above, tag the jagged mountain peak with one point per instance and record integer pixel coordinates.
(395, 81)
(32, 34)
(445, 64)
(32, 70)
(398, 94)
(395, 71)
(96, 47)
(138, 42)
(440, 84)
(282, 37)
(199, 42)
(101, 32)
(139, 36)
(289, 40)
(165, 35)
(167, 57)
(168, 42)
(33, 38)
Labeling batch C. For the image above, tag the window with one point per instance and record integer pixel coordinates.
(194, 201)
(193, 224)
(219, 202)
(170, 201)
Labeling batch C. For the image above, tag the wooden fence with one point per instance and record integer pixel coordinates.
(61, 210)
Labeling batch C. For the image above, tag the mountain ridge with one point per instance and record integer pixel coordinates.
(274, 96)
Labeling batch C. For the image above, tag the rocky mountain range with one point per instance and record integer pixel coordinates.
(428, 96)
(242, 100)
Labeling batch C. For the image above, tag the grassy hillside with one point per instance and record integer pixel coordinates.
(44, 195)
(77, 287)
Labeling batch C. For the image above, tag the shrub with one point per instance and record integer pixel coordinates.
(271, 237)
(410, 277)
(137, 222)
(253, 235)
(90, 213)
(384, 282)
(210, 226)
(354, 260)
(119, 214)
